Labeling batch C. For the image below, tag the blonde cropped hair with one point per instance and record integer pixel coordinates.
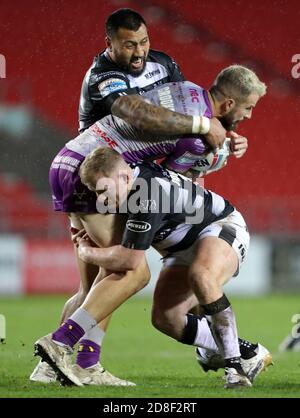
(101, 160)
(238, 82)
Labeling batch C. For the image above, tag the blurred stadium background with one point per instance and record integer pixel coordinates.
(48, 46)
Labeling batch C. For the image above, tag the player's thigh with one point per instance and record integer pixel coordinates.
(215, 259)
(105, 230)
(221, 249)
(173, 291)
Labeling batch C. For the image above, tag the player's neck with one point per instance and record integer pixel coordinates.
(215, 105)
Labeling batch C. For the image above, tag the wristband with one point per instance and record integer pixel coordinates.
(201, 125)
(205, 125)
(196, 124)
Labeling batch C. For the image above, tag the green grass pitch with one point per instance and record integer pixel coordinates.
(133, 349)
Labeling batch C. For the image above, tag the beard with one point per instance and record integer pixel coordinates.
(136, 72)
(127, 66)
(228, 122)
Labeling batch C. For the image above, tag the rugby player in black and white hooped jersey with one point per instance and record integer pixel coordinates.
(203, 240)
(112, 131)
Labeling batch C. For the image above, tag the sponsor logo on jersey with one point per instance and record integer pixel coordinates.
(194, 95)
(108, 75)
(110, 142)
(111, 85)
(166, 99)
(152, 74)
(138, 226)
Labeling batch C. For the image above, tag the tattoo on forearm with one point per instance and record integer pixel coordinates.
(148, 117)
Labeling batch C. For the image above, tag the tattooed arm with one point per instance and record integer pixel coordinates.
(151, 118)
(161, 121)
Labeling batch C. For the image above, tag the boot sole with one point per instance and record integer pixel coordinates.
(40, 351)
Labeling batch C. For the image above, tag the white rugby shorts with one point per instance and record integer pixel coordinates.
(231, 229)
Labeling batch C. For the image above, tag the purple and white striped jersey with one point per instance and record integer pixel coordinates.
(136, 145)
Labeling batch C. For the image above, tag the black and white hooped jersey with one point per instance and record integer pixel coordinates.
(167, 210)
(105, 81)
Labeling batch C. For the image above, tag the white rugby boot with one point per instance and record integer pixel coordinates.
(235, 380)
(59, 358)
(210, 360)
(98, 376)
(43, 373)
(258, 363)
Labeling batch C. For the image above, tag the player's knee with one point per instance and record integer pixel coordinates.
(202, 280)
(146, 277)
(162, 320)
(142, 276)
(158, 320)
(142, 281)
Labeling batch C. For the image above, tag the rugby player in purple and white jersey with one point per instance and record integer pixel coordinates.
(224, 100)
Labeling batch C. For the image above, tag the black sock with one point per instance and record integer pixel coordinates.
(235, 363)
(247, 349)
(221, 318)
(190, 330)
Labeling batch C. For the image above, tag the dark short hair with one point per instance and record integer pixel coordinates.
(123, 18)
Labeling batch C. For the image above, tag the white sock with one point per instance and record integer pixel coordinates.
(95, 334)
(204, 337)
(83, 319)
(224, 329)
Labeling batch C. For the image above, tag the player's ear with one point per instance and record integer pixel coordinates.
(108, 43)
(227, 105)
(128, 178)
(124, 176)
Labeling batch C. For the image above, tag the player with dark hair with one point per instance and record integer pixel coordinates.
(126, 69)
(124, 18)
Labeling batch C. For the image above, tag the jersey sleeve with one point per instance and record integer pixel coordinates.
(106, 87)
(140, 230)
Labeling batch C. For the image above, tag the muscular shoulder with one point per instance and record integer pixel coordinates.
(151, 172)
(106, 75)
(159, 56)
